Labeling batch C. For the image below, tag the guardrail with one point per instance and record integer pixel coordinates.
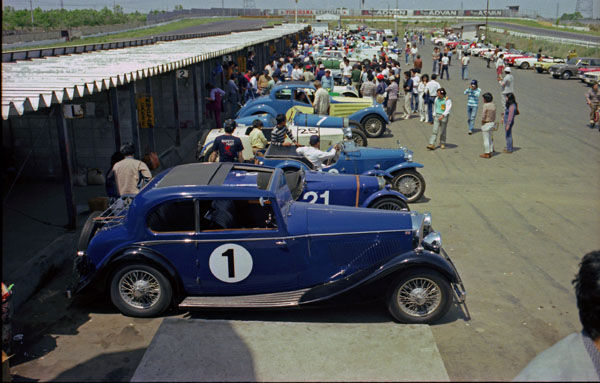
(588, 44)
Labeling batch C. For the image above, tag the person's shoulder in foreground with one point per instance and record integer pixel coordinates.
(576, 357)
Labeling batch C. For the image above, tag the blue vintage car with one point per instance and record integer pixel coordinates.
(313, 122)
(193, 239)
(291, 96)
(395, 164)
(331, 189)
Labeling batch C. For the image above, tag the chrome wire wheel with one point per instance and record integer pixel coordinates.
(139, 289)
(374, 126)
(409, 183)
(419, 297)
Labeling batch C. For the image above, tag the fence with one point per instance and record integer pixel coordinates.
(560, 40)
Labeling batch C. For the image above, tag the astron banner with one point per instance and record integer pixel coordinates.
(482, 12)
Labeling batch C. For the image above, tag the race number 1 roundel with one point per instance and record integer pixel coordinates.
(230, 263)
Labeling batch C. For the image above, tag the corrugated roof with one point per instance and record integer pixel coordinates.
(39, 83)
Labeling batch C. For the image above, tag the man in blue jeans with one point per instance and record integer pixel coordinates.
(472, 93)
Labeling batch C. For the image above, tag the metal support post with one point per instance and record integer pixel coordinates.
(195, 89)
(135, 128)
(114, 110)
(151, 142)
(176, 110)
(65, 159)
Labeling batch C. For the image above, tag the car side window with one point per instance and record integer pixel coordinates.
(174, 216)
(283, 94)
(222, 214)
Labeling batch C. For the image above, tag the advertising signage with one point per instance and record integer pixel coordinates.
(482, 12)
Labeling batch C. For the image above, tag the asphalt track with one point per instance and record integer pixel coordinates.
(545, 32)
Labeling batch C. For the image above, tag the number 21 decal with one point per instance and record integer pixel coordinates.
(313, 197)
(230, 263)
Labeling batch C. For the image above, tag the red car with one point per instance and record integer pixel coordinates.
(510, 60)
(451, 44)
(585, 69)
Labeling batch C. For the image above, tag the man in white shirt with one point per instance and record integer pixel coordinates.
(415, 96)
(431, 89)
(314, 154)
(465, 67)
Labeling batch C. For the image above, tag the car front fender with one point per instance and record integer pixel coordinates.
(378, 172)
(361, 114)
(383, 193)
(403, 165)
(257, 109)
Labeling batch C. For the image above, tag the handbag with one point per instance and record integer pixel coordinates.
(151, 159)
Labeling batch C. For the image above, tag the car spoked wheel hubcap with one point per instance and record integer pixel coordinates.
(358, 140)
(407, 185)
(139, 289)
(373, 125)
(390, 206)
(419, 297)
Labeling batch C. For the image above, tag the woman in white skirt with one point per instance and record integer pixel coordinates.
(421, 90)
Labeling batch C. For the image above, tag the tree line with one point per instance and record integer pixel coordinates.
(20, 20)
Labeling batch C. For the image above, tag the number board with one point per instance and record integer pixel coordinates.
(230, 263)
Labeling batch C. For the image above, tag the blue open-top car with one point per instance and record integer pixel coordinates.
(395, 164)
(292, 96)
(193, 238)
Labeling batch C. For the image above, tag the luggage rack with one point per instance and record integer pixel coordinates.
(115, 213)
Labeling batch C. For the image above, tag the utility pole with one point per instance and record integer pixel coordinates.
(396, 18)
(31, 7)
(487, 10)
(557, 9)
(296, 12)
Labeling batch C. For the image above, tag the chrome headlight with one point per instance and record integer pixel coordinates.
(381, 182)
(426, 223)
(433, 241)
(408, 155)
(346, 122)
(347, 133)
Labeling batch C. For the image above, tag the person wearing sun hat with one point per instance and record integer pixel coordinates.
(472, 93)
(507, 84)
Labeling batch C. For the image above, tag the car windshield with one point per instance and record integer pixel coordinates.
(295, 182)
(573, 61)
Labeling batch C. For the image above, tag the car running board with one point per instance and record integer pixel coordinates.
(284, 299)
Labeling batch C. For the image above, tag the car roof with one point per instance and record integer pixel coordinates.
(305, 84)
(200, 174)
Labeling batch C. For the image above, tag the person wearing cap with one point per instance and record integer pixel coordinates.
(314, 154)
(327, 81)
(472, 93)
(380, 91)
(228, 147)
(320, 72)
(308, 74)
(392, 92)
(258, 141)
(507, 84)
(321, 102)
(442, 107)
(129, 172)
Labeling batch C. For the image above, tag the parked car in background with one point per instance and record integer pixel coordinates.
(581, 72)
(546, 63)
(298, 95)
(570, 68)
(395, 164)
(591, 77)
(194, 238)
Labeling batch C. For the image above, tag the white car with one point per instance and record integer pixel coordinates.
(527, 62)
(329, 137)
(591, 77)
(388, 33)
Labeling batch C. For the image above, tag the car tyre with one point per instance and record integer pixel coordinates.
(539, 70)
(525, 65)
(409, 183)
(359, 137)
(88, 231)
(374, 126)
(419, 296)
(566, 75)
(207, 154)
(390, 203)
(140, 290)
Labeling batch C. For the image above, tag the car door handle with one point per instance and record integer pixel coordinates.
(281, 243)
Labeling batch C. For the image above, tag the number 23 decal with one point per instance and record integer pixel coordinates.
(230, 263)
(313, 197)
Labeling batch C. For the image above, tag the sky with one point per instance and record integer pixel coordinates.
(546, 8)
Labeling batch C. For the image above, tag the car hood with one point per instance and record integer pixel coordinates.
(559, 66)
(331, 219)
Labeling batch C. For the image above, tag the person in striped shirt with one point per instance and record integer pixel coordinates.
(281, 130)
(472, 93)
